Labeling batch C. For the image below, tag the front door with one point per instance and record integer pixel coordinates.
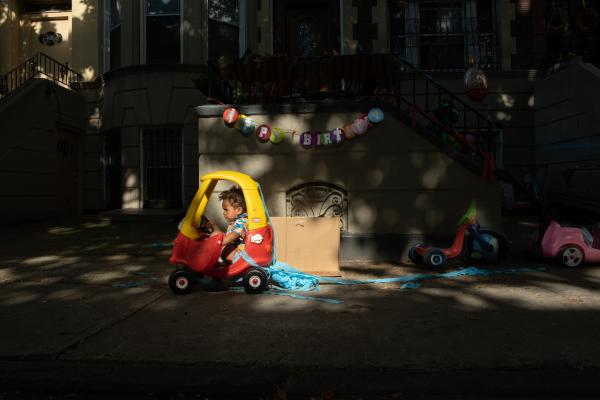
(68, 186)
(306, 28)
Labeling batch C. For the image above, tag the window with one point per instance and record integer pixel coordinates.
(162, 160)
(163, 31)
(440, 34)
(34, 7)
(223, 29)
(114, 41)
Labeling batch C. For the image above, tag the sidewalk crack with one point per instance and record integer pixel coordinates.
(103, 328)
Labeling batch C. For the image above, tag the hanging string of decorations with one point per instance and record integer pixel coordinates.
(558, 21)
(586, 20)
(309, 139)
(476, 83)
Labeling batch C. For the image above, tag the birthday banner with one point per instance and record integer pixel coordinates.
(309, 139)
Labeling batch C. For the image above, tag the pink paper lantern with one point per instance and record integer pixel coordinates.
(360, 126)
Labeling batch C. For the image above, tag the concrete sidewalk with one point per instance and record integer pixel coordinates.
(84, 306)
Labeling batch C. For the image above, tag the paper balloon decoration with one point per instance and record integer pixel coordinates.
(360, 126)
(276, 135)
(307, 140)
(263, 133)
(324, 139)
(337, 135)
(230, 116)
(375, 115)
(246, 125)
(348, 131)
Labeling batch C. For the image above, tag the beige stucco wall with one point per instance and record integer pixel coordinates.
(29, 163)
(397, 182)
(9, 32)
(79, 29)
(86, 38)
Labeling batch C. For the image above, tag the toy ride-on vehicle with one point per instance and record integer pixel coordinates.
(571, 245)
(471, 242)
(196, 253)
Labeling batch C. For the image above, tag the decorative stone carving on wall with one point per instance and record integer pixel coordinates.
(318, 199)
(50, 38)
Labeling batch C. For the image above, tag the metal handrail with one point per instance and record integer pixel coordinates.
(481, 126)
(381, 76)
(37, 66)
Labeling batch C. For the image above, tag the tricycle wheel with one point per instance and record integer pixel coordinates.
(571, 256)
(434, 258)
(181, 281)
(255, 281)
(414, 256)
(498, 242)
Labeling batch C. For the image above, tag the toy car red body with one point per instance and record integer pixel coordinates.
(196, 253)
(572, 245)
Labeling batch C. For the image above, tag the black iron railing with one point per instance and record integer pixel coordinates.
(447, 114)
(38, 66)
(385, 77)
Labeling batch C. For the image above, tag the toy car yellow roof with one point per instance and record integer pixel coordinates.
(257, 217)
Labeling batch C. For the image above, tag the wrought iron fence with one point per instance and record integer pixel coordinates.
(38, 66)
(386, 77)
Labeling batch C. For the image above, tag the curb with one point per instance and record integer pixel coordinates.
(159, 378)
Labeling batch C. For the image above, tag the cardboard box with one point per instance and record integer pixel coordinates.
(310, 245)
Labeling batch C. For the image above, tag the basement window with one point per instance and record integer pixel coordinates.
(36, 7)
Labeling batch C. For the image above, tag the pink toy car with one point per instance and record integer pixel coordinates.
(571, 245)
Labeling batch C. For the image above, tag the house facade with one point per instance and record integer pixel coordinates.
(147, 83)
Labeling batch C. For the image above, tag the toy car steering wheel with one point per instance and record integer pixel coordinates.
(204, 225)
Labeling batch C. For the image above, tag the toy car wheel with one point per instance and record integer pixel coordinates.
(571, 256)
(181, 281)
(414, 256)
(434, 258)
(255, 281)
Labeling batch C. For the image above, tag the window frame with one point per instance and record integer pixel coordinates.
(242, 38)
(413, 35)
(143, 33)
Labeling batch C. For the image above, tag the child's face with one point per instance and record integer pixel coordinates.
(230, 212)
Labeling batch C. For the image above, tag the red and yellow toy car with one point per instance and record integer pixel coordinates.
(196, 252)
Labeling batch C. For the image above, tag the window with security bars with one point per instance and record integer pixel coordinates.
(441, 34)
(162, 164)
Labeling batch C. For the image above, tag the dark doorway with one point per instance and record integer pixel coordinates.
(162, 158)
(68, 148)
(112, 169)
(306, 28)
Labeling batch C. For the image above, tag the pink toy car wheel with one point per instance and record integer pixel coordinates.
(571, 256)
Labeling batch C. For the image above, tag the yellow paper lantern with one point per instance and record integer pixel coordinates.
(276, 135)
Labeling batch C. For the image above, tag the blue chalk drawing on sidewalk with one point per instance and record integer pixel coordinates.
(148, 275)
(287, 277)
(162, 245)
